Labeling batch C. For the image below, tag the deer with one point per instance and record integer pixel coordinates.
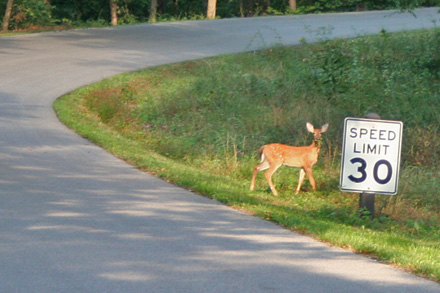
(275, 155)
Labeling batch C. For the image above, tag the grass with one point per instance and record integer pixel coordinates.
(198, 124)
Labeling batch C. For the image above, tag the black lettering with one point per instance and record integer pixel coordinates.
(382, 135)
(389, 173)
(355, 150)
(391, 135)
(386, 148)
(372, 149)
(353, 132)
(362, 132)
(361, 170)
(373, 134)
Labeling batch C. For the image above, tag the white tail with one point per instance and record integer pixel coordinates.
(275, 155)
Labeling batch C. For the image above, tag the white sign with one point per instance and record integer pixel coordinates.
(371, 155)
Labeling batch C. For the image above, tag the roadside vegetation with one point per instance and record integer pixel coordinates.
(39, 15)
(199, 125)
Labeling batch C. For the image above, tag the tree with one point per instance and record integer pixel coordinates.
(211, 11)
(153, 11)
(7, 17)
(114, 12)
(292, 5)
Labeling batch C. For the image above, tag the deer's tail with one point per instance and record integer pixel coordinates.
(261, 153)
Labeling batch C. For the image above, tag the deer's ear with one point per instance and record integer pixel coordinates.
(324, 128)
(310, 127)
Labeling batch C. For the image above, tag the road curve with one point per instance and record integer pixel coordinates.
(75, 219)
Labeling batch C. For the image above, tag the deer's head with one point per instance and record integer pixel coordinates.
(316, 132)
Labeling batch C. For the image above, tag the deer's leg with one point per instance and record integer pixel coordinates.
(302, 175)
(268, 174)
(263, 166)
(311, 178)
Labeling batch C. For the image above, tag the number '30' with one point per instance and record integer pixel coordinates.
(362, 174)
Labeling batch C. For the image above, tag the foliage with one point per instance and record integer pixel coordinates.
(199, 123)
(37, 13)
(28, 13)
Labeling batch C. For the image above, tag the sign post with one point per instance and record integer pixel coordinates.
(371, 158)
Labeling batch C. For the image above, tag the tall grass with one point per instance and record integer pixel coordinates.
(251, 99)
(200, 123)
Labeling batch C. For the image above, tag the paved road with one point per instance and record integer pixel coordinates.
(75, 219)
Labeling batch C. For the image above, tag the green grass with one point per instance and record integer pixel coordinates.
(198, 124)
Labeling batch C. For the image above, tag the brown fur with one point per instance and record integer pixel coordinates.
(275, 155)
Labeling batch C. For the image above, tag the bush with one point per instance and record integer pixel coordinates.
(29, 13)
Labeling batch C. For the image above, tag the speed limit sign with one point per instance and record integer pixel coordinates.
(371, 156)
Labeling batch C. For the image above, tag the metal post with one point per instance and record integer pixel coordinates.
(366, 200)
(366, 204)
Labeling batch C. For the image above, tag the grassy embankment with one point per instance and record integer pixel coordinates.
(198, 124)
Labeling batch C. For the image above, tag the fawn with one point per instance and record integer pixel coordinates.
(275, 155)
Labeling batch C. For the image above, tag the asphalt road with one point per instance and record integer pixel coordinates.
(75, 219)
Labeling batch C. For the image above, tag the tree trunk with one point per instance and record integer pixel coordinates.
(212, 7)
(153, 11)
(7, 18)
(114, 12)
(292, 5)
